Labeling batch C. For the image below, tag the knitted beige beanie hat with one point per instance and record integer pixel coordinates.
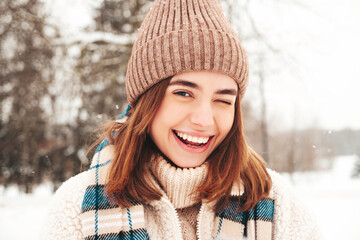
(180, 36)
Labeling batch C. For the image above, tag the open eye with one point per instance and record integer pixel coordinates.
(182, 93)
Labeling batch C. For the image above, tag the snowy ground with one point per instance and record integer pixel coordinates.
(21, 215)
(333, 197)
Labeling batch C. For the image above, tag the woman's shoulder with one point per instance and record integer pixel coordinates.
(292, 218)
(63, 218)
(280, 185)
(73, 185)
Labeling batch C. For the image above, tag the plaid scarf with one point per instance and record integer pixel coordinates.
(102, 219)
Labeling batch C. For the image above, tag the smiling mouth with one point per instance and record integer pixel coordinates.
(192, 141)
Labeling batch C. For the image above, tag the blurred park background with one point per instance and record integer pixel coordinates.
(62, 72)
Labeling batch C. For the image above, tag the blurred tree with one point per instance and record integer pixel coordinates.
(279, 150)
(25, 75)
(245, 24)
(101, 66)
(356, 170)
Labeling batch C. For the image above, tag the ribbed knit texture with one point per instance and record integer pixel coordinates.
(188, 217)
(179, 184)
(184, 35)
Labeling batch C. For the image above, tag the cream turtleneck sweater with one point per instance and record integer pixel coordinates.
(180, 185)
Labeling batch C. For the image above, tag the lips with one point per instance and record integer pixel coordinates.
(192, 141)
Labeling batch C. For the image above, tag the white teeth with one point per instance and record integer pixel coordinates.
(193, 139)
(184, 136)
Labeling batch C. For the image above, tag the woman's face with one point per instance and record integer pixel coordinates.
(194, 117)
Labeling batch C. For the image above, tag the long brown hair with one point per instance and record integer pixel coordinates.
(232, 161)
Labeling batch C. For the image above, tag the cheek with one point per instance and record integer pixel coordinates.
(164, 115)
(225, 123)
(164, 118)
(157, 130)
(171, 112)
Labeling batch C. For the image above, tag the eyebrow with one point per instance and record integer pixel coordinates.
(184, 83)
(181, 82)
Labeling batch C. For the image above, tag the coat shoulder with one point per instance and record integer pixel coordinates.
(292, 218)
(63, 218)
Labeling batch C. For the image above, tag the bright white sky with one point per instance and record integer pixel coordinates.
(319, 88)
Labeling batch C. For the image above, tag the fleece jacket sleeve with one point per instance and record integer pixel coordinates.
(292, 219)
(63, 221)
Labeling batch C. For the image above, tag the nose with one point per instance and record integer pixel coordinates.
(202, 115)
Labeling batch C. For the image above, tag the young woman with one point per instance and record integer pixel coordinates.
(176, 165)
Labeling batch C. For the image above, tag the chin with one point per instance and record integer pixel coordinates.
(188, 164)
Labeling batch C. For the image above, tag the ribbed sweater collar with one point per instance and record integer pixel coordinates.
(179, 184)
